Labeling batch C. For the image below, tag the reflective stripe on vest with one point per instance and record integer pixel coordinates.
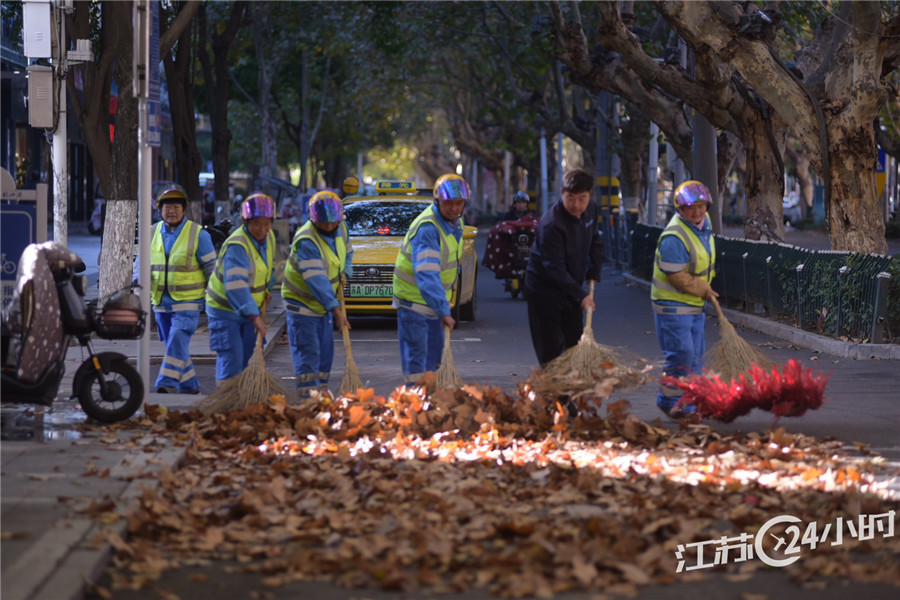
(258, 275)
(294, 286)
(405, 287)
(179, 273)
(700, 264)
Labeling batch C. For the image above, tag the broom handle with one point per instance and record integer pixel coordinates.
(590, 312)
(345, 332)
(262, 315)
(718, 308)
(446, 337)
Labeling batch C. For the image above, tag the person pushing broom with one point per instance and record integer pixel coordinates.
(567, 252)
(682, 272)
(321, 254)
(424, 277)
(240, 287)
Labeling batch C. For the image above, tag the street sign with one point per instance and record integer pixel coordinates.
(154, 116)
(18, 228)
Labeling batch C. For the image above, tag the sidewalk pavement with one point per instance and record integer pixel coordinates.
(51, 547)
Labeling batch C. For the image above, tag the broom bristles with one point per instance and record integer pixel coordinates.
(351, 380)
(732, 355)
(589, 366)
(252, 386)
(447, 376)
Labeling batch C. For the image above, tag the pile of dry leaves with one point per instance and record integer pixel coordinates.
(450, 491)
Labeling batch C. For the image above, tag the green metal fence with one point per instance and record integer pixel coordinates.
(840, 294)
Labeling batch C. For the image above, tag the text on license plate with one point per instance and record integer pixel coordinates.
(371, 290)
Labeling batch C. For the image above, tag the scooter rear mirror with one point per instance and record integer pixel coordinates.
(80, 283)
(80, 267)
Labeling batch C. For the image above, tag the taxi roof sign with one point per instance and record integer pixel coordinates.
(401, 187)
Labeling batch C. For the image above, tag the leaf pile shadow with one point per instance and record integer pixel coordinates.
(473, 488)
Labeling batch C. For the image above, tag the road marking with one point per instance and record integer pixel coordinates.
(391, 340)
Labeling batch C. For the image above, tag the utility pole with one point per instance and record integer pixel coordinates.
(60, 135)
(44, 28)
(146, 87)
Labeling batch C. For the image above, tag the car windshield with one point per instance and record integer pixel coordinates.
(381, 218)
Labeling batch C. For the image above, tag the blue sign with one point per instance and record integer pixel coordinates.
(18, 228)
(154, 113)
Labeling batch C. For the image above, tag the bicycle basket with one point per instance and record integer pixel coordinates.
(121, 318)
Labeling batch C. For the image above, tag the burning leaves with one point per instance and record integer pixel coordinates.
(472, 488)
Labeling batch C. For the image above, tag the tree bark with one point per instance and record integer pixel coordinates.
(831, 109)
(122, 207)
(179, 65)
(218, 86)
(267, 62)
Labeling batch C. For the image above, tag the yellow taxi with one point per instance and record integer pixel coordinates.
(376, 225)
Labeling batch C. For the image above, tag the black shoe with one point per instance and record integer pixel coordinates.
(192, 392)
(166, 389)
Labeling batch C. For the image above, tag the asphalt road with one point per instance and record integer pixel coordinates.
(495, 349)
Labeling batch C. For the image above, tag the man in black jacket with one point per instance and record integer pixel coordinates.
(567, 251)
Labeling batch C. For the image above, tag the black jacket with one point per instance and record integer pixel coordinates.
(566, 252)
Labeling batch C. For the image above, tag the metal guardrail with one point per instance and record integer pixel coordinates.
(844, 295)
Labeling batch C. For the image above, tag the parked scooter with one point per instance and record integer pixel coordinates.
(48, 309)
(219, 232)
(522, 252)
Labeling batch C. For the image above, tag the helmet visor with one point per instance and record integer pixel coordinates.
(326, 210)
(257, 205)
(690, 193)
(452, 189)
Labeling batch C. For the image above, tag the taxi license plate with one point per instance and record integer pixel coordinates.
(371, 290)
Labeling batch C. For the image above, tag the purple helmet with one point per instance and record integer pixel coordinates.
(257, 205)
(690, 193)
(451, 187)
(325, 207)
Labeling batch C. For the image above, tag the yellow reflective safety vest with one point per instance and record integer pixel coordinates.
(405, 287)
(329, 264)
(259, 274)
(179, 273)
(700, 263)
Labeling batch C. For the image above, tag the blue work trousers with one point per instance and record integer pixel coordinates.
(683, 342)
(312, 349)
(421, 343)
(175, 330)
(233, 342)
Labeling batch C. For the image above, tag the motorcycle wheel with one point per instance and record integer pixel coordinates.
(124, 393)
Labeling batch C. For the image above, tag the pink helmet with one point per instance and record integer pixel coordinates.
(691, 192)
(257, 205)
(325, 207)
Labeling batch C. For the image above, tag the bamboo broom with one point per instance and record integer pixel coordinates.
(251, 386)
(584, 357)
(351, 380)
(588, 364)
(732, 355)
(447, 376)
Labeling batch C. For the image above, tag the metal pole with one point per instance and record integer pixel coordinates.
(653, 179)
(479, 199)
(141, 66)
(507, 167)
(544, 201)
(359, 170)
(145, 178)
(879, 314)
(559, 162)
(60, 141)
